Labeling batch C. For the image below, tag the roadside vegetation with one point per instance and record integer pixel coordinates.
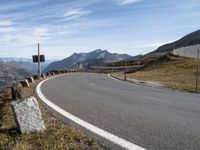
(171, 71)
(58, 136)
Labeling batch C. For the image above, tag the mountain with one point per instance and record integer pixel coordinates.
(95, 58)
(26, 63)
(188, 40)
(9, 72)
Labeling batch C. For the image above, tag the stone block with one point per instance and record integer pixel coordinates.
(57, 71)
(43, 75)
(28, 115)
(30, 80)
(16, 90)
(35, 77)
(25, 83)
(52, 73)
(48, 74)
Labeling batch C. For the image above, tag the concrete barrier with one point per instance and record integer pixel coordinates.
(30, 80)
(62, 71)
(25, 83)
(52, 73)
(43, 76)
(48, 74)
(57, 72)
(28, 115)
(35, 77)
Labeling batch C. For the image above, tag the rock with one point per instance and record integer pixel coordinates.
(25, 83)
(30, 80)
(16, 91)
(28, 115)
(6, 92)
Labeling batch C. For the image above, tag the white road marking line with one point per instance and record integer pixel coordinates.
(116, 79)
(110, 137)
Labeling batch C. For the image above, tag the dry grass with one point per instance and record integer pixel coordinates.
(177, 74)
(58, 136)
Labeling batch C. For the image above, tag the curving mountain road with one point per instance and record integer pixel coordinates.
(155, 119)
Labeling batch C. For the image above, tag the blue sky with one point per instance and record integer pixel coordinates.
(67, 26)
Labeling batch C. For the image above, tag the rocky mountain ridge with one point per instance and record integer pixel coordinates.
(95, 58)
(188, 40)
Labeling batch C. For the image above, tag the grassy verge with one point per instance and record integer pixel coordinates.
(179, 73)
(58, 136)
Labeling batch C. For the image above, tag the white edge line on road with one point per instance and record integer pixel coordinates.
(112, 138)
(110, 76)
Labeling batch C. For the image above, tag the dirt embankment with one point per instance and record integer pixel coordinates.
(171, 71)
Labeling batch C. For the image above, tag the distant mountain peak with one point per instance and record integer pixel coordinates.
(98, 50)
(97, 57)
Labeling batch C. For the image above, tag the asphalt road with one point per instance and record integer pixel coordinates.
(155, 119)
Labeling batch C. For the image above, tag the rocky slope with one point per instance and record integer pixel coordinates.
(26, 63)
(9, 72)
(95, 58)
(188, 40)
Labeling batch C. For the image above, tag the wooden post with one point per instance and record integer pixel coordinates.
(197, 72)
(39, 65)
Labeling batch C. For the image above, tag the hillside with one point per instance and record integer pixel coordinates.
(95, 58)
(187, 46)
(9, 72)
(26, 63)
(171, 71)
(188, 40)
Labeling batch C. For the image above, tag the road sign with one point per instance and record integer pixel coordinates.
(35, 58)
(38, 59)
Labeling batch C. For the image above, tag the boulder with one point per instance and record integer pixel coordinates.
(16, 90)
(28, 115)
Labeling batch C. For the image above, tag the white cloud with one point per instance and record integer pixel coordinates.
(126, 2)
(41, 33)
(7, 29)
(76, 13)
(6, 23)
(13, 5)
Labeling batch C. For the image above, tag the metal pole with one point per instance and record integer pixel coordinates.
(125, 70)
(197, 72)
(113, 65)
(39, 65)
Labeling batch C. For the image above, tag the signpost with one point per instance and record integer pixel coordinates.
(38, 59)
